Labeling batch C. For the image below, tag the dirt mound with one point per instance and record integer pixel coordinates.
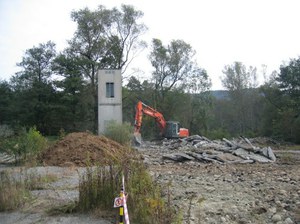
(82, 149)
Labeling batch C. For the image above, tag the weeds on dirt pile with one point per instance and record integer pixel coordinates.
(99, 186)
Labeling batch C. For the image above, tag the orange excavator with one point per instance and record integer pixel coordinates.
(168, 129)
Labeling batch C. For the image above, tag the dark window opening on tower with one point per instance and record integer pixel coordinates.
(110, 92)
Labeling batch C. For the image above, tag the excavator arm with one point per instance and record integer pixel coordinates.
(142, 109)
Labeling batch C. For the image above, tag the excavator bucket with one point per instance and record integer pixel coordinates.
(137, 138)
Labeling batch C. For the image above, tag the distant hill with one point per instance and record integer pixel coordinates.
(220, 94)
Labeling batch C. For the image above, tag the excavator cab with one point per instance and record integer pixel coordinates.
(174, 130)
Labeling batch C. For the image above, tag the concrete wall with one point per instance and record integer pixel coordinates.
(109, 108)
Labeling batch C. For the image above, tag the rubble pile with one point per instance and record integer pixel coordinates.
(6, 158)
(199, 148)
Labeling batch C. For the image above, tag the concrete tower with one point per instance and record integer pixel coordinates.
(109, 98)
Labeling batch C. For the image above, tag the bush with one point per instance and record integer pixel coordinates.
(26, 145)
(121, 133)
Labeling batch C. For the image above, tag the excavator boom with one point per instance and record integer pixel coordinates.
(142, 109)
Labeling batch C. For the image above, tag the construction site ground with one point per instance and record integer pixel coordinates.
(201, 192)
(232, 193)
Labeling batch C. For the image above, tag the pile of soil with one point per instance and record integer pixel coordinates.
(83, 149)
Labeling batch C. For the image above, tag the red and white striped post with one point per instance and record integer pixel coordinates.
(121, 203)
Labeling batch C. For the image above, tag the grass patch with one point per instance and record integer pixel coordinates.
(63, 209)
(15, 188)
(34, 181)
(13, 192)
(286, 158)
(99, 186)
(290, 147)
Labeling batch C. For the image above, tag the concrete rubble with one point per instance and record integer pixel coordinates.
(201, 149)
(6, 158)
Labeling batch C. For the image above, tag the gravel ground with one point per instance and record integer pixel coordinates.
(240, 193)
(202, 193)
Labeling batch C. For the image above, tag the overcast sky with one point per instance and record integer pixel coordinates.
(254, 32)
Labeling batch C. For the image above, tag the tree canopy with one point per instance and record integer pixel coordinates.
(174, 67)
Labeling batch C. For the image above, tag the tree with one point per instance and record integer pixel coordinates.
(105, 39)
(6, 101)
(132, 93)
(237, 78)
(173, 65)
(36, 64)
(244, 98)
(33, 86)
(179, 84)
(70, 107)
(289, 83)
(282, 95)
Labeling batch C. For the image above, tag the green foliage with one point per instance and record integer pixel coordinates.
(175, 68)
(237, 77)
(6, 102)
(72, 108)
(243, 108)
(289, 79)
(5, 131)
(200, 113)
(36, 64)
(33, 91)
(99, 186)
(282, 100)
(25, 146)
(217, 134)
(62, 133)
(121, 133)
